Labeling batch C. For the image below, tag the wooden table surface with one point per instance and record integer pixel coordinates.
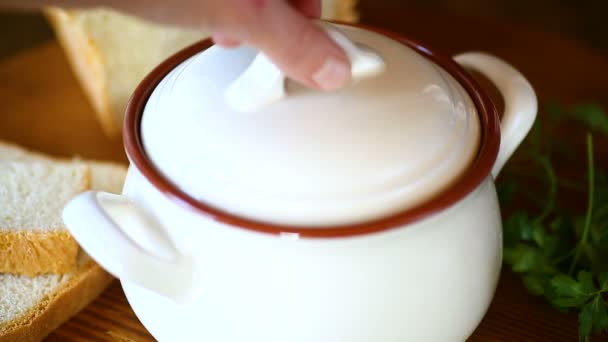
(42, 107)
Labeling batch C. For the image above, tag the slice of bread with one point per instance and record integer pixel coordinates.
(33, 239)
(43, 245)
(106, 176)
(31, 308)
(111, 52)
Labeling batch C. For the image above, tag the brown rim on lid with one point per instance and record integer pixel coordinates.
(476, 172)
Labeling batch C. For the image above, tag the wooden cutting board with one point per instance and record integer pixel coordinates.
(43, 107)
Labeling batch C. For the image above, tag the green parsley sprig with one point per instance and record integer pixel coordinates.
(560, 251)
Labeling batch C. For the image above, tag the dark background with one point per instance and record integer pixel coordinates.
(583, 20)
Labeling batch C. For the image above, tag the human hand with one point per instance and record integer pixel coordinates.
(281, 29)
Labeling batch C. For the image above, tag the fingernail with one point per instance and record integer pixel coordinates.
(332, 75)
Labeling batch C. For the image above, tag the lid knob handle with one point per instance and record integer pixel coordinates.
(263, 82)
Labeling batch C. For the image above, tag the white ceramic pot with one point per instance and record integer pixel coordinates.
(306, 245)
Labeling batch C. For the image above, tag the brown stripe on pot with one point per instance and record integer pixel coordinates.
(477, 171)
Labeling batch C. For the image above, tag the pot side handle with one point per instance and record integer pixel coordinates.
(107, 227)
(520, 101)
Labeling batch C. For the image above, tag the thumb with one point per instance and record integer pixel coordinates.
(299, 47)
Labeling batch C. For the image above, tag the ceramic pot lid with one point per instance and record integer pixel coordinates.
(388, 142)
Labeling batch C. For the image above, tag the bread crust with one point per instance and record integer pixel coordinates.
(37, 252)
(59, 306)
(87, 63)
